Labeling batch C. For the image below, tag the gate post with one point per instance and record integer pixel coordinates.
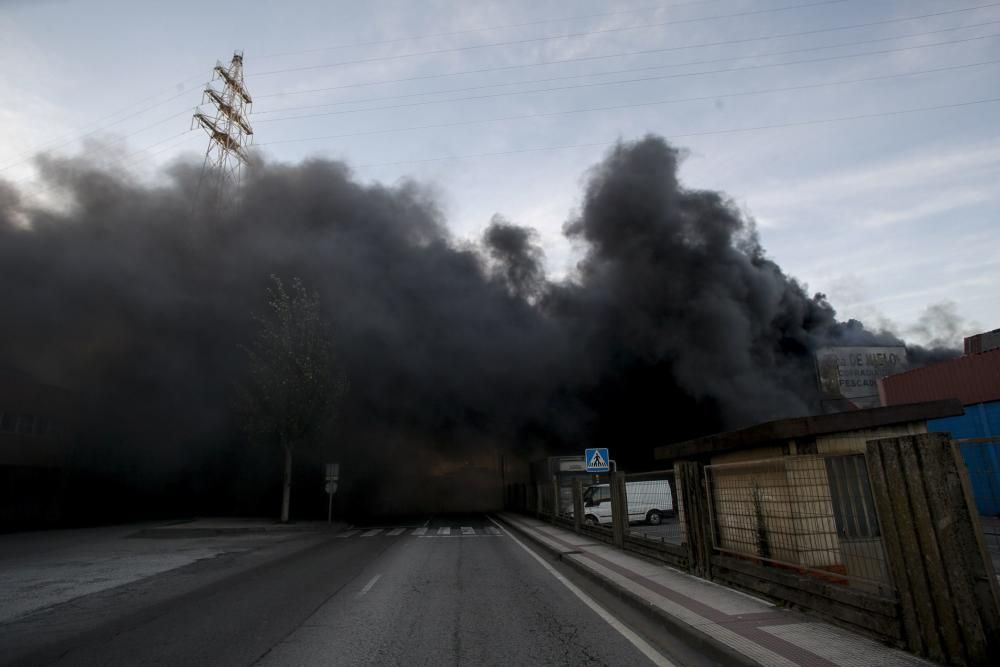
(933, 542)
(555, 498)
(578, 504)
(619, 509)
(538, 500)
(696, 518)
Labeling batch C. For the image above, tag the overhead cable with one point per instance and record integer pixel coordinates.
(728, 42)
(661, 77)
(587, 33)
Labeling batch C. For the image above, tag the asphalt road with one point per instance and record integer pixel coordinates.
(459, 592)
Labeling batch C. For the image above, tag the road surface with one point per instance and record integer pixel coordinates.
(445, 591)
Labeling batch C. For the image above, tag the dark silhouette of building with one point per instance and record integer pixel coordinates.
(36, 427)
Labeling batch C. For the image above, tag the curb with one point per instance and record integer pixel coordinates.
(713, 648)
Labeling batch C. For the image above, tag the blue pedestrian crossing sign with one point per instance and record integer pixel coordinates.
(597, 459)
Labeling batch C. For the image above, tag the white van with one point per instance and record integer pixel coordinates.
(648, 500)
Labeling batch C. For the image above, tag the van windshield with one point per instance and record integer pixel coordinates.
(596, 494)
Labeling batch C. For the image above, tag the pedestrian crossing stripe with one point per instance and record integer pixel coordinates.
(423, 531)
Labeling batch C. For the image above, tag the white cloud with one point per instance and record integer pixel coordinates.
(921, 183)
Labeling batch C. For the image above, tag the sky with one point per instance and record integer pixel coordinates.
(861, 135)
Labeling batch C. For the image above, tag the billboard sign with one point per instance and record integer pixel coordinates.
(852, 373)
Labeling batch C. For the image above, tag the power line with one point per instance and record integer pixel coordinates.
(185, 112)
(549, 38)
(615, 107)
(127, 159)
(627, 70)
(467, 31)
(728, 42)
(624, 81)
(721, 131)
(27, 155)
(735, 130)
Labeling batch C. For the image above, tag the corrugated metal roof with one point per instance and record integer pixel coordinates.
(974, 378)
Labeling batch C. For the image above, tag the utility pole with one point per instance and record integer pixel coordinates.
(229, 131)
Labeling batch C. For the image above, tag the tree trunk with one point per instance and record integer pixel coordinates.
(286, 495)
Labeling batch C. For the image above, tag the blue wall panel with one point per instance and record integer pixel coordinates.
(981, 420)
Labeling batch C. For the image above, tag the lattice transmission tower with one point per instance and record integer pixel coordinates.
(229, 131)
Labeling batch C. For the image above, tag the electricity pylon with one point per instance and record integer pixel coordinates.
(229, 131)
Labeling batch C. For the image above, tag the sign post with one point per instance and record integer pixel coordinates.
(332, 471)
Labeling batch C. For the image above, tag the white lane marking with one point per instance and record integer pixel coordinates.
(468, 530)
(373, 531)
(654, 656)
(444, 531)
(492, 531)
(420, 531)
(395, 531)
(369, 585)
(350, 533)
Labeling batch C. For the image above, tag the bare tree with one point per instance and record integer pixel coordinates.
(294, 384)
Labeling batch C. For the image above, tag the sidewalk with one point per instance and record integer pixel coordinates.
(44, 568)
(749, 630)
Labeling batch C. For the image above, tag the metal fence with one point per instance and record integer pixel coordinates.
(810, 514)
(651, 501)
(982, 460)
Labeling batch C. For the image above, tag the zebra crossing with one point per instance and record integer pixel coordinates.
(423, 531)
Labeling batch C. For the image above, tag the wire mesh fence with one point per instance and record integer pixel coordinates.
(810, 514)
(564, 499)
(982, 461)
(651, 500)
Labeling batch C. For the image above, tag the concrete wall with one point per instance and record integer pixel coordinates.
(788, 500)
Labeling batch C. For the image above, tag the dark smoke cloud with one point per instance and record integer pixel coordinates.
(675, 324)
(941, 325)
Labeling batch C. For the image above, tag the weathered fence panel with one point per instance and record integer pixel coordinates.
(945, 581)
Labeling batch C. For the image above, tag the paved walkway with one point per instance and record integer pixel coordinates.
(745, 626)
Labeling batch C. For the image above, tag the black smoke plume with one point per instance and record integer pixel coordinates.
(135, 298)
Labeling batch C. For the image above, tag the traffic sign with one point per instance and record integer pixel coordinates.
(330, 488)
(597, 459)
